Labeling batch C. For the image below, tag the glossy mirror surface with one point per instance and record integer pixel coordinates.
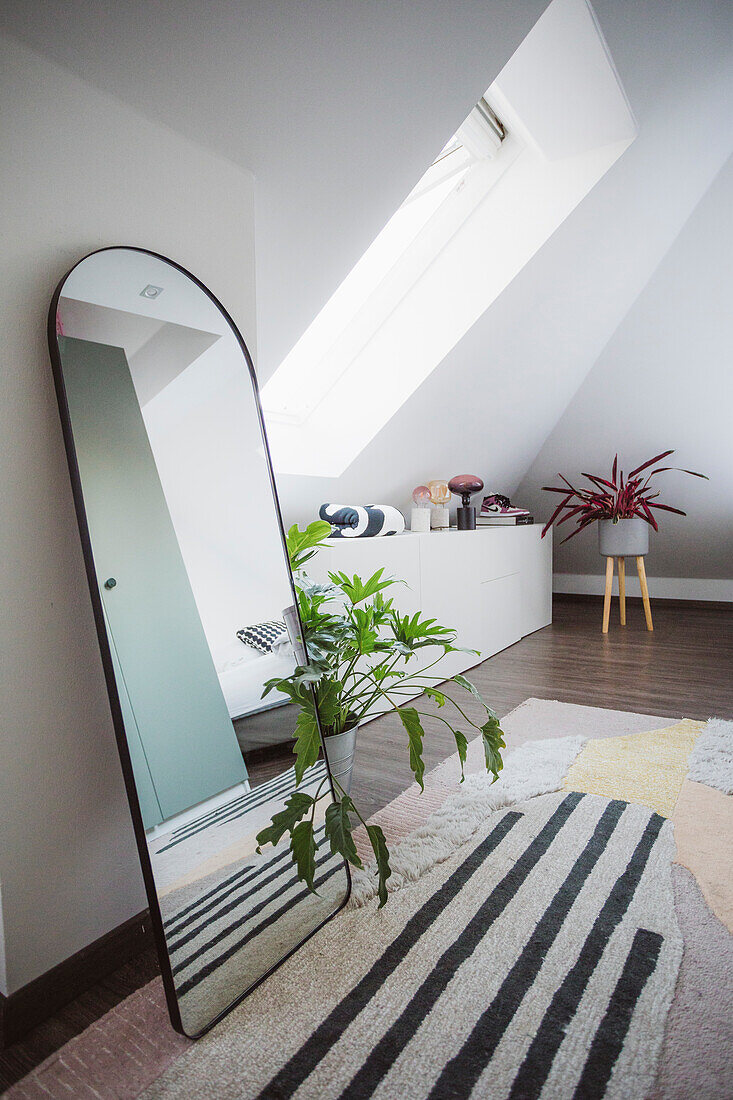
(192, 591)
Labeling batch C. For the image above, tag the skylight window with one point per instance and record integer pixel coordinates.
(540, 138)
(318, 359)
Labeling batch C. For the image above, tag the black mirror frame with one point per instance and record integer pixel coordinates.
(114, 701)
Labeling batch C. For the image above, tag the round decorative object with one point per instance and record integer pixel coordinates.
(464, 485)
(627, 538)
(439, 491)
(421, 496)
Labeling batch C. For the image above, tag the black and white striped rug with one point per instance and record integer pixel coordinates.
(539, 960)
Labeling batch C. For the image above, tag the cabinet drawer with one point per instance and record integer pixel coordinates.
(500, 603)
(500, 552)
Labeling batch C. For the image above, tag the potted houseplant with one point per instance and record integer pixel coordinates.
(362, 654)
(623, 508)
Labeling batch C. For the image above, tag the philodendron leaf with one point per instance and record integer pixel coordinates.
(383, 672)
(356, 590)
(307, 743)
(306, 674)
(296, 807)
(299, 694)
(381, 852)
(300, 543)
(338, 830)
(464, 683)
(438, 696)
(462, 745)
(365, 639)
(327, 701)
(303, 847)
(415, 732)
(492, 736)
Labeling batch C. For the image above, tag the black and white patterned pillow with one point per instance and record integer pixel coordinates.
(264, 637)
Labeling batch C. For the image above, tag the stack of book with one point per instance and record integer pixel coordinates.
(493, 519)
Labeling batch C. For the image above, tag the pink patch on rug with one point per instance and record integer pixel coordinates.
(114, 1059)
(703, 827)
(401, 817)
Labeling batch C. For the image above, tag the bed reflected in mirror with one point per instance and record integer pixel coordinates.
(193, 598)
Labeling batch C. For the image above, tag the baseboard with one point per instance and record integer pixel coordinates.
(29, 1006)
(661, 588)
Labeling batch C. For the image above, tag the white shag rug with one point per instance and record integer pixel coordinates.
(711, 761)
(538, 767)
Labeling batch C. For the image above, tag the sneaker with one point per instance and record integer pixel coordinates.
(496, 506)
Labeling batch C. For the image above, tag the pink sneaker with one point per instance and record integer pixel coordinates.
(497, 508)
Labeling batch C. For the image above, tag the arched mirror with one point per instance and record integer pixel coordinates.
(195, 611)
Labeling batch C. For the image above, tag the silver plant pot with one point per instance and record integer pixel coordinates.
(341, 750)
(627, 538)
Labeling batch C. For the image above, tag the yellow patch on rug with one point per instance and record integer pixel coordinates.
(645, 768)
(703, 829)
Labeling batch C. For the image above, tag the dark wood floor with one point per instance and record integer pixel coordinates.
(683, 669)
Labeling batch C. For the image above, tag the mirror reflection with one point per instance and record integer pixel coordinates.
(197, 605)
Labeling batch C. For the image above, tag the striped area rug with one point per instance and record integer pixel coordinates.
(537, 961)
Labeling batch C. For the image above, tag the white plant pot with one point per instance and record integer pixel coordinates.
(341, 750)
(627, 538)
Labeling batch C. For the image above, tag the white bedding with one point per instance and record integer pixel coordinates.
(242, 674)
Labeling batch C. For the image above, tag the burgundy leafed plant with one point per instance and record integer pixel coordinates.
(615, 499)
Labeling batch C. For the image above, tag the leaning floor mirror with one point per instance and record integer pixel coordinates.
(195, 610)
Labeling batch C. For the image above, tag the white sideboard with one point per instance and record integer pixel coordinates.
(493, 585)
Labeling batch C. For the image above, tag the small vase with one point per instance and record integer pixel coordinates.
(341, 750)
(627, 538)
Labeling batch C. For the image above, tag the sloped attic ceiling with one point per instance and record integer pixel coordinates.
(338, 106)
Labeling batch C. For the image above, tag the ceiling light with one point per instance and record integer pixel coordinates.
(151, 291)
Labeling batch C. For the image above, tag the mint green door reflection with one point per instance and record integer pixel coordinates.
(173, 691)
(146, 796)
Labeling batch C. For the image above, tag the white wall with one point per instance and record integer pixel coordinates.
(664, 380)
(78, 171)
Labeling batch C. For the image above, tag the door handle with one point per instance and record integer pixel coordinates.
(110, 582)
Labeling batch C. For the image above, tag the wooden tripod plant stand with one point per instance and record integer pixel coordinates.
(622, 592)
